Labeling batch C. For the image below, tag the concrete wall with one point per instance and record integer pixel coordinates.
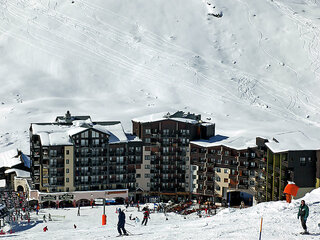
(20, 182)
(75, 196)
(223, 185)
(69, 157)
(143, 181)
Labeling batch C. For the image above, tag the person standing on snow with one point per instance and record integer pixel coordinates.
(121, 222)
(146, 216)
(303, 214)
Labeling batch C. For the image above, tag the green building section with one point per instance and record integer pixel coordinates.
(275, 175)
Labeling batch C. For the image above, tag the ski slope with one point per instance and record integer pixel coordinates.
(255, 71)
(279, 222)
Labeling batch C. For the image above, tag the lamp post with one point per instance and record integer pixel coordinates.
(91, 200)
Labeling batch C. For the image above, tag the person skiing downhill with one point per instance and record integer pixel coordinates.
(303, 214)
(145, 217)
(121, 223)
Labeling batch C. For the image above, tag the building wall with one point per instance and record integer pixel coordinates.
(69, 166)
(224, 181)
(144, 171)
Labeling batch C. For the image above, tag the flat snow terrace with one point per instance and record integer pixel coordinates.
(279, 222)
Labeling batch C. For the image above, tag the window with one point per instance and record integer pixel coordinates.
(148, 184)
(95, 134)
(147, 157)
(67, 179)
(309, 159)
(138, 175)
(84, 134)
(166, 149)
(225, 170)
(148, 131)
(253, 155)
(218, 169)
(147, 140)
(67, 152)
(251, 183)
(226, 162)
(218, 188)
(226, 180)
(147, 166)
(302, 161)
(67, 161)
(147, 175)
(226, 153)
(67, 170)
(218, 179)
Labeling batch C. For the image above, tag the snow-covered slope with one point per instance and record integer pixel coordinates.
(254, 71)
(279, 223)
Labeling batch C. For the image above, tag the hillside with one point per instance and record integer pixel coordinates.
(254, 71)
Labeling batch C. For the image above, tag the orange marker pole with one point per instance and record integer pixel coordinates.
(260, 229)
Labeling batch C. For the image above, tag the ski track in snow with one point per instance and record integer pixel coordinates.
(48, 27)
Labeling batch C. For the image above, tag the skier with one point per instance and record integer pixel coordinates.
(45, 229)
(121, 223)
(50, 219)
(44, 218)
(303, 214)
(146, 216)
(74, 226)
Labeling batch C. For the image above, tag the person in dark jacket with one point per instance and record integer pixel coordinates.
(146, 216)
(303, 214)
(121, 222)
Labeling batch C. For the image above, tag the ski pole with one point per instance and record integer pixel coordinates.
(130, 224)
(260, 228)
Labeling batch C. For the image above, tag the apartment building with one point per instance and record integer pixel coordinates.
(225, 165)
(75, 154)
(166, 169)
(294, 157)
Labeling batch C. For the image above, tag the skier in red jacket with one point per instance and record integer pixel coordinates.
(146, 216)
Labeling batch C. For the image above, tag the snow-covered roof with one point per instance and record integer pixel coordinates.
(115, 131)
(9, 158)
(19, 172)
(292, 141)
(237, 143)
(165, 116)
(53, 134)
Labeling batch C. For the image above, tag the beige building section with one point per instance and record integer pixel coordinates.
(223, 175)
(144, 181)
(68, 169)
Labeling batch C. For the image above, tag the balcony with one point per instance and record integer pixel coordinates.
(36, 163)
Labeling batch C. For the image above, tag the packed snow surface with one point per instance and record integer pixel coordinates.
(252, 67)
(279, 222)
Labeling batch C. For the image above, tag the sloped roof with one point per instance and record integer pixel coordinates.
(9, 158)
(292, 141)
(237, 143)
(53, 134)
(19, 172)
(166, 116)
